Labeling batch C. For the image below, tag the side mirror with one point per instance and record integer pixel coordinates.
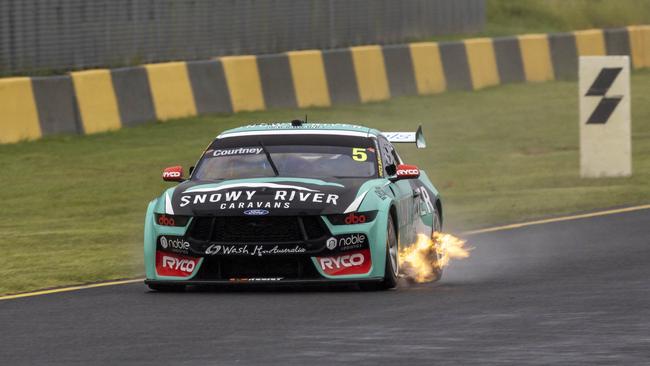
(173, 174)
(406, 171)
(391, 169)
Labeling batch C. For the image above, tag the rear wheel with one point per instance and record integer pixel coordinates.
(391, 270)
(166, 287)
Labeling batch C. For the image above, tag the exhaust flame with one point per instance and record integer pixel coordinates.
(423, 261)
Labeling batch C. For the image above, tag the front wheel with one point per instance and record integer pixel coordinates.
(437, 227)
(391, 270)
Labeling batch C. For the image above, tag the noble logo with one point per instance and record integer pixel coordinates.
(599, 88)
(331, 243)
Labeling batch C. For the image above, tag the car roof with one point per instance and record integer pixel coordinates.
(281, 128)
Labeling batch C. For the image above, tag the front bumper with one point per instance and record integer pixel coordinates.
(208, 269)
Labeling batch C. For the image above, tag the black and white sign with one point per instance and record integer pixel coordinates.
(605, 138)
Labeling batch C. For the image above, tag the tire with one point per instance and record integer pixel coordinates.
(437, 227)
(391, 269)
(166, 287)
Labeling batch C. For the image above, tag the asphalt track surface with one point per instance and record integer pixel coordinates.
(570, 292)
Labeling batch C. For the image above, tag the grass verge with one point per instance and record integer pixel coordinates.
(511, 17)
(73, 206)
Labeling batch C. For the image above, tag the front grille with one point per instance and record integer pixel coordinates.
(201, 228)
(256, 229)
(313, 226)
(222, 268)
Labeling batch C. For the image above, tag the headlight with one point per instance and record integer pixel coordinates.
(352, 218)
(171, 220)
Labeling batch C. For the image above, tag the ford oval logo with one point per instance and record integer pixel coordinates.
(256, 212)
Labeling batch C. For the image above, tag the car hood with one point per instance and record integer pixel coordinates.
(264, 196)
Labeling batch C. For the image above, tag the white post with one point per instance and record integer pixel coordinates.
(605, 132)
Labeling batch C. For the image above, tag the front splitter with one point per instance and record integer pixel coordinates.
(260, 282)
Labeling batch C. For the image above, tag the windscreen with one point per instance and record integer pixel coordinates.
(308, 157)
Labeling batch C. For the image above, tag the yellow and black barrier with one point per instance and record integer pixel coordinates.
(92, 101)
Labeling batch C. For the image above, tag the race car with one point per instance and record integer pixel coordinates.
(291, 203)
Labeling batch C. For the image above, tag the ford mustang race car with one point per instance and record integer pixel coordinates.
(290, 203)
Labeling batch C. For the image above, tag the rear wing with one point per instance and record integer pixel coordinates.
(407, 137)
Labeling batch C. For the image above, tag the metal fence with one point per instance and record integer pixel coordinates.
(45, 35)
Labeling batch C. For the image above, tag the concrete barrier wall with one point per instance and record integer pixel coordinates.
(244, 84)
(96, 100)
(370, 72)
(536, 57)
(56, 105)
(564, 55)
(309, 79)
(18, 110)
(427, 68)
(509, 61)
(482, 63)
(209, 87)
(102, 100)
(133, 95)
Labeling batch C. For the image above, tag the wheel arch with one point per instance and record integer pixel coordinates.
(392, 211)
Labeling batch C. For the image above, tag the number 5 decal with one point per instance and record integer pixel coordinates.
(359, 154)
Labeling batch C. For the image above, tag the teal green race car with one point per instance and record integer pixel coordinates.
(291, 203)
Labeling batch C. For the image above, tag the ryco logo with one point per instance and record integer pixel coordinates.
(408, 172)
(357, 262)
(168, 264)
(348, 260)
(183, 265)
(171, 174)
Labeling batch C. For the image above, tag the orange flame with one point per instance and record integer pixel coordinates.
(423, 261)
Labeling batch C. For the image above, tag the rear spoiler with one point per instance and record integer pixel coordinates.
(409, 137)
